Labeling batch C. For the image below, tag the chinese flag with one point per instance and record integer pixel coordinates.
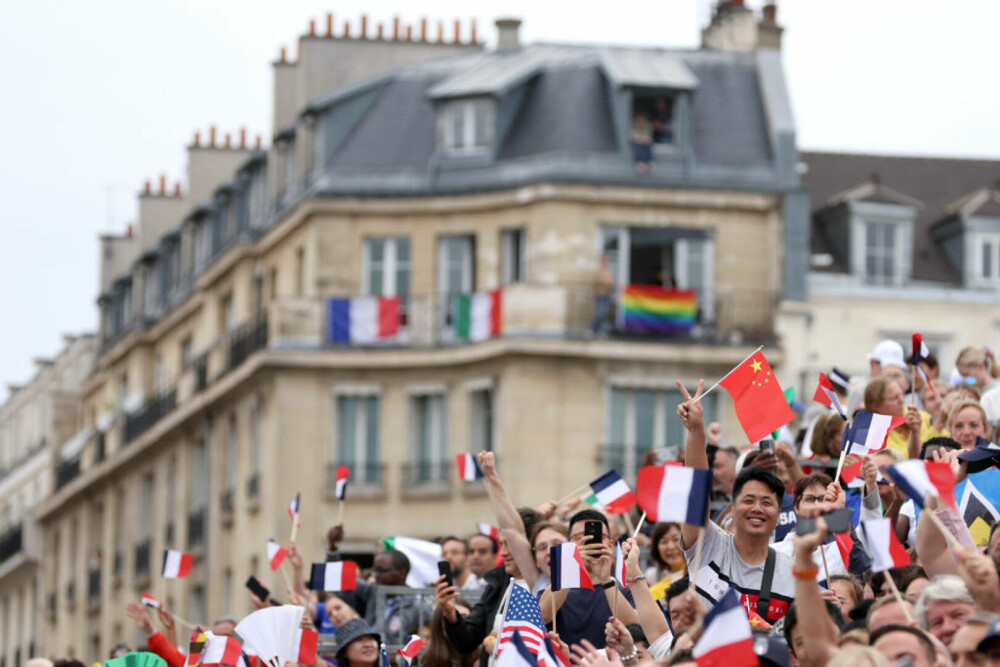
(760, 404)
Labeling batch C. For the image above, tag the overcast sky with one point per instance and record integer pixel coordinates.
(96, 97)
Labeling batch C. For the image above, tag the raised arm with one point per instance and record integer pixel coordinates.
(932, 546)
(508, 520)
(814, 622)
(651, 618)
(693, 417)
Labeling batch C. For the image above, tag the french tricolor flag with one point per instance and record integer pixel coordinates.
(920, 352)
(413, 646)
(220, 650)
(491, 531)
(307, 642)
(468, 469)
(568, 570)
(342, 576)
(150, 601)
(275, 554)
(674, 492)
(727, 640)
(343, 474)
(366, 319)
(826, 395)
(886, 551)
(918, 479)
(293, 509)
(176, 564)
(869, 432)
(619, 572)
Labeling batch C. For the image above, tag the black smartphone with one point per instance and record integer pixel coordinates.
(258, 588)
(839, 520)
(766, 445)
(444, 570)
(594, 530)
(805, 526)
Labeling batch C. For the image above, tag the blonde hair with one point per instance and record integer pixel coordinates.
(967, 403)
(859, 655)
(875, 392)
(827, 426)
(973, 356)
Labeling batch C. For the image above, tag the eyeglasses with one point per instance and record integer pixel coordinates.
(812, 499)
(542, 548)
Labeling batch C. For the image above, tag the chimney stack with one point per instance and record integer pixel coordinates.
(347, 29)
(423, 30)
(473, 38)
(258, 143)
(409, 33)
(395, 28)
(440, 32)
(177, 189)
(211, 136)
(163, 185)
(228, 140)
(378, 31)
(197, 139)
(458, 31)
(243, 138)
(508, 37)
(364, 26)
(770, 12)
(734, 28)
(329, 24)
(283, 55)
(128, 230)
(312, 27)
(148, 189)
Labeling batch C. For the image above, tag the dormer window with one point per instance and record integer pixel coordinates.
(467, 126)
(986, 259)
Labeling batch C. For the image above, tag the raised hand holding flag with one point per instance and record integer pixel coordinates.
(293, 511)
(413, 646)
(826, 395)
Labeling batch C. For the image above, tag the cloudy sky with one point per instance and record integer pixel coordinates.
(96, 97)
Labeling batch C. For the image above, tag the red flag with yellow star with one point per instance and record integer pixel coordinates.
(760, 404)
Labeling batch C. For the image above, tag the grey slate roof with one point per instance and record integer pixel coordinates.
(568, 122)
(936, 183)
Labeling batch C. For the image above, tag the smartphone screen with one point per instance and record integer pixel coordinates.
(444, 569)
(258, 588)
(594, 532)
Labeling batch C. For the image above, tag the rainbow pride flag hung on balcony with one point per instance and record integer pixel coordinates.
(654, 309)
(479, 316)
(363, 320)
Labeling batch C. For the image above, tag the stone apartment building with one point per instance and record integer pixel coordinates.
(40, 425)
(433, 171)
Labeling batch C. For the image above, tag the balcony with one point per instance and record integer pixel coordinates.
(168, 534)
(94, 589)
(367, 481)
(142, 558)
(245, 340)
(226, 507)
(153, 411)
(734, 315)
(71, 596)
(253, 492)
(100, 448)
(196, 528)
(66, 472)
(423, 479)
(11, 541)
(52, 607)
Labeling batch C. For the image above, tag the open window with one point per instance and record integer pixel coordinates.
(658, 107)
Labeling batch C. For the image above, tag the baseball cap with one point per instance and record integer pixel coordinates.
(888, 353)
(772, 650)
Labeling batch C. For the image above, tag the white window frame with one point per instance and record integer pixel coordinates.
(514, 240)
(979, 240)
(438, 401)
(901, 219)
(362, 392)
(471, 389)
(390, 265)
(465, 142)
(256, 408)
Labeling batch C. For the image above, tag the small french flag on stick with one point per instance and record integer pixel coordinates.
(293, 509)
(275, 554)
(827, 396)
(413, 646)
(918, 479)
(674, 493)
(490, 531)
(870, 431)
(307, 641)
(150, 601)
(886, 551)
(176, 564)
(920, 352)
(343, 474)
(727, 639)
(342, 576)
(620, 567)
(468, 469)
(568, 570)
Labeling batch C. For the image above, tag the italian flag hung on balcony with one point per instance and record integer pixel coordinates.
(362, 320)
(479, 316)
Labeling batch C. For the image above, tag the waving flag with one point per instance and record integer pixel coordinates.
(920, 352)
(220, 650)
(340, 576)
(760, 405)
(343, 473)
(293, 509)
(978, 513)
(522, 616)
(362, 320)
(413, 646)
(886, 551)
(275, 554)
(919, 478)
(519, 654)
(610, 493)
(176, 564)
(306, 643)
(568, 570)
(869, 432)
(468, 469)
(479, 316)
(619, 572)
(150, 601)
(423, 555)
(827, 396)
(195, 647)
(490, 531)
(727, 640)
(674, 493)
(550, 655)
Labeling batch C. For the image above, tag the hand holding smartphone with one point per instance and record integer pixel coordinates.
(444, 570)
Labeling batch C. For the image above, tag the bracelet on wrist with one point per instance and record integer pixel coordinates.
(607, 584)
(631, 657)
(805, 574)
(634, 579)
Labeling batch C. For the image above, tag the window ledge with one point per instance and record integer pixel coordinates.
(473, 490)
(359, 492)
(427, 490)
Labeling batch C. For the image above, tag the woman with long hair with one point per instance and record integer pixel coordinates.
(668, 558)
(439, 651)
(978, 363)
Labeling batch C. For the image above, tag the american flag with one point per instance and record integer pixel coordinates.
(523, 616)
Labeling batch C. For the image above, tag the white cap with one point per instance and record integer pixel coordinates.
(888, 353)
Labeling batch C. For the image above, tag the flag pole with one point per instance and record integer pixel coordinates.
(826, 570)
(340, 512)
(638, 527)
(913, 384)
(552, 596)
(693, 572)
(949, 538)
(899, 598)
(284, 573)
(710, 389)
(840, 465)
(295, 528)
(573, 494)
(627, 518)
(614, 611)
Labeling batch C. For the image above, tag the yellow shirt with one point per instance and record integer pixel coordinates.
(899, 439)
(659, 589)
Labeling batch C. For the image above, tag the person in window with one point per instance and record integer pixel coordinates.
(642, 143)
(663, 133)
(604, 285)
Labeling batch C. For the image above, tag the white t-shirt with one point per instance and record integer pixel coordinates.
(910, 510)
(722, 567)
